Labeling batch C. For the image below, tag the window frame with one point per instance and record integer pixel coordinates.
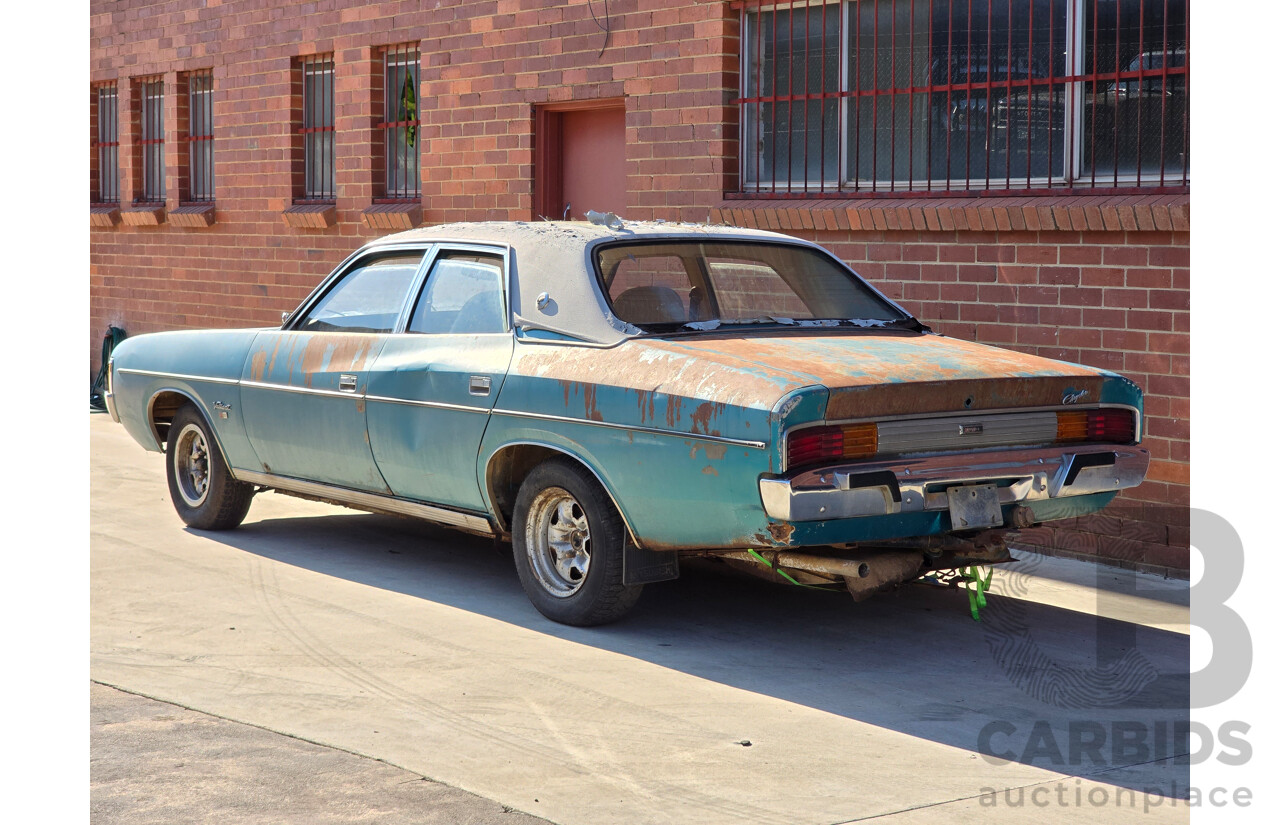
(106, 153)
(705, 279)
(319, 162)
(1067, 174)
(442, 253)
(199, 182)
(400, 61)
(150, 148)
(429, 251)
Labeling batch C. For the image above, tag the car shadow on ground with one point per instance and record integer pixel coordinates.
(1058, 689)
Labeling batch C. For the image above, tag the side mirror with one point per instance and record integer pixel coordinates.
(284, 317)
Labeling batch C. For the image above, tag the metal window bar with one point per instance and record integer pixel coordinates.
(963, 96)
(318, 130)
(199, 138)
(151, 140)
(107, 146)
(401, 125)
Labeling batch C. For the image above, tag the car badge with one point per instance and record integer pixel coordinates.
(1071, 395)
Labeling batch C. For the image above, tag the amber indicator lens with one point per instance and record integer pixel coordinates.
(860, 440)
(1114, 426)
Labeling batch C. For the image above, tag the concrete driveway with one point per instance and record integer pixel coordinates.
(719, 700)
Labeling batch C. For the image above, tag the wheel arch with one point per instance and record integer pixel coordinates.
(164, 404)
(509, 465)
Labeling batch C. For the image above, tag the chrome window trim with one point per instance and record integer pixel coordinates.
(362, 500)
(438, 248)
(718, 439)
(341, 270)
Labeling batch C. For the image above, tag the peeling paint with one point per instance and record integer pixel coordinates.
(702, 416)
(709, 471)
(781, 532)
(258, 365)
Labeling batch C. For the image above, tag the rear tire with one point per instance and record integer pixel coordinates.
(567, 539)
(200, 484)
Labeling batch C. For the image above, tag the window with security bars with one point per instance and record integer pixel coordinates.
(400, 124)
(317, 129)
(106, 145)
(873, 96)
(151, 140)
(199, 138)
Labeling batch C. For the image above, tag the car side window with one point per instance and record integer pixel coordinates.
(368, 298)
(463, 295)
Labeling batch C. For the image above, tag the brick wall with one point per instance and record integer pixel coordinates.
(1099, 280)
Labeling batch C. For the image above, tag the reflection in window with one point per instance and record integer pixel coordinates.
(463, 295)
(368, 298)
(883, 95)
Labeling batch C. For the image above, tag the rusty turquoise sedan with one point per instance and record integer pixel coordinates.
(615, 398)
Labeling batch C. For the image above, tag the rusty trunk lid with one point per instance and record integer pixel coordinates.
(896, 373)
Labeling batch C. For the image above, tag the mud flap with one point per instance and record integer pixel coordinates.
(641, 566)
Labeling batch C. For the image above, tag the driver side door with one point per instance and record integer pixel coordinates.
(303, 387)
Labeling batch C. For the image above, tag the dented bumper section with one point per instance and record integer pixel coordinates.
(913, 485)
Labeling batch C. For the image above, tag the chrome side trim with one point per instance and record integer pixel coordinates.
(369, 501)
(919, 484)
(719, 439)
(436, 405)
(263, 385)
(109, 400)
(179, 376)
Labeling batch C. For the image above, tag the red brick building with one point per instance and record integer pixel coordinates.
(1014, 173)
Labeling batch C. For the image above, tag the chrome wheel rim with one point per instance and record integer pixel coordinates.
(558, 542)
(191, 465)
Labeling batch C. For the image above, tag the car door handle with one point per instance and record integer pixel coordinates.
(346, 383)
(479, 385)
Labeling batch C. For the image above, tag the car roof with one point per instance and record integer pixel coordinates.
(555, 257)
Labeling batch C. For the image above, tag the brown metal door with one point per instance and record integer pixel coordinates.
(581, 160)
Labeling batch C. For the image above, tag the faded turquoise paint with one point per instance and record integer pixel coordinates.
(207, 354)
(1120, 390)
(674, 492)
(429, 453)
(304, 434)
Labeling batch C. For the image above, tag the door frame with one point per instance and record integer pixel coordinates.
(548, 150)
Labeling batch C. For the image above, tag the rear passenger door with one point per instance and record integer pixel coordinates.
(431, 388)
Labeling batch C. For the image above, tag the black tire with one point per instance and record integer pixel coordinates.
(200, 485)
(567, 539)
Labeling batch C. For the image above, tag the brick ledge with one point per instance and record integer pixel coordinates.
(143, 216)
(392, 216)
(1074, 213)
(105, 216)
(195, 216)
(310, 215)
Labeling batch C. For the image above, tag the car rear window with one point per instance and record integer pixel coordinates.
(667, 284)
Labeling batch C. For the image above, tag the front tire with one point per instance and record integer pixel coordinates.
(568, 542)
(200, 484)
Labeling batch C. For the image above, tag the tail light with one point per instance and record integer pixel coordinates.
(817, 444)
(1112, 425)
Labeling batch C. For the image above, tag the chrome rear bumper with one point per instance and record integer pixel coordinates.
(908, 485)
